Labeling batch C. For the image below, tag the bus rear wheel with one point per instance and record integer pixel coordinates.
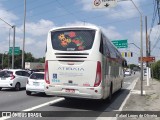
(110, 94)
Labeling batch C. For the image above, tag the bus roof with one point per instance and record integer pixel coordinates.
(72, 27)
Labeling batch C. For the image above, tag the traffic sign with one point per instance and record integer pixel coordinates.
(147, 59)
(104, 3)
(16, 50)
(120, 43)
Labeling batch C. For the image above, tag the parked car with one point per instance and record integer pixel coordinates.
(127, 73)
(13, 78)
(35, 83)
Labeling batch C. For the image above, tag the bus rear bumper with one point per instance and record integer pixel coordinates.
(76, 92)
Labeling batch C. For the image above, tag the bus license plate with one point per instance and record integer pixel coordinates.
(70, 90)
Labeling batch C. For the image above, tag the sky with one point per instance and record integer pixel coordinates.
(118, 23)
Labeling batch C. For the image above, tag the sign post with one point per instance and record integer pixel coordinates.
(16, 51)
(120, 43)
(104, 3)
(147, 59)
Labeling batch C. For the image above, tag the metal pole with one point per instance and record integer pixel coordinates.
(8, 49)
(13, 46)
(134, 45)
(141, 55)
(141, 49)
(2, 60)
(149, 47)
(147, 64)
(24, 34)
(5, 22)
(13, 41)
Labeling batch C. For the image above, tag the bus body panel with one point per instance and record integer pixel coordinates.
(73, 73)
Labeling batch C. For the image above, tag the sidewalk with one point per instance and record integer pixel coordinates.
(150, 101)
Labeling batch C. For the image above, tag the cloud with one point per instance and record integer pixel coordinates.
(124, 9)
(39, 28)
(110, 31)
(36, 35)
(7, 16)
(40, 46)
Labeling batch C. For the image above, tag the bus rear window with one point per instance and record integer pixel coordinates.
(72, 40)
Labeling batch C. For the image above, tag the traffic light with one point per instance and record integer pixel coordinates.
(125, 54)
(131, 54)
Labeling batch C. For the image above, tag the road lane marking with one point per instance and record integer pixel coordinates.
(44, 104)
(127, 83)
(36, 107)
(131, 87)
(137, 92)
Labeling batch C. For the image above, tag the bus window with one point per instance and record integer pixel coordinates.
(72, 40)
(101, 48)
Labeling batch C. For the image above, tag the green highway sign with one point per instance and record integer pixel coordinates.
(16, 51)
(120, 43)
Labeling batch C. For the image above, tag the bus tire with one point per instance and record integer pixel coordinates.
(110, 94)
(0, 88)
(121, 84)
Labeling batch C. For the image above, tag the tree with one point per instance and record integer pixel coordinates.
(18, 60)
(133, 67)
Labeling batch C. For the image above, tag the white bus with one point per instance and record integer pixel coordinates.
(82, 63)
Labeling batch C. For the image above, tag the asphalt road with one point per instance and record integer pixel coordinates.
(11, 100)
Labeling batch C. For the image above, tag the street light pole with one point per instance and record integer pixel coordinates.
(9, 48)
(141, 38)
(24, 34)
(14, 29)
(141, 49)
(135, 45)
(13, 41)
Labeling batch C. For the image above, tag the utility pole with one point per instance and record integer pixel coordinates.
(149, 53)
(141, 42)
(141, 48)
(146, 41)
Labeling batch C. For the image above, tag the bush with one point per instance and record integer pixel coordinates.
(155, 67)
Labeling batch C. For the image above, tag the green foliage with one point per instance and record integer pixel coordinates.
(28, 57)
(133, 67)
(155, 67)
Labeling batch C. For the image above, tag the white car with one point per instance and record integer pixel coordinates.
(13, 78)
(127, 73)
(35, 83)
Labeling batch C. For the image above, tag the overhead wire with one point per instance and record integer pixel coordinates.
(78, 11)
(153, 18)
(156, 39)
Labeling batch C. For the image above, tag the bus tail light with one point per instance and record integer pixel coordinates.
(98, 75)
(46, 74)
